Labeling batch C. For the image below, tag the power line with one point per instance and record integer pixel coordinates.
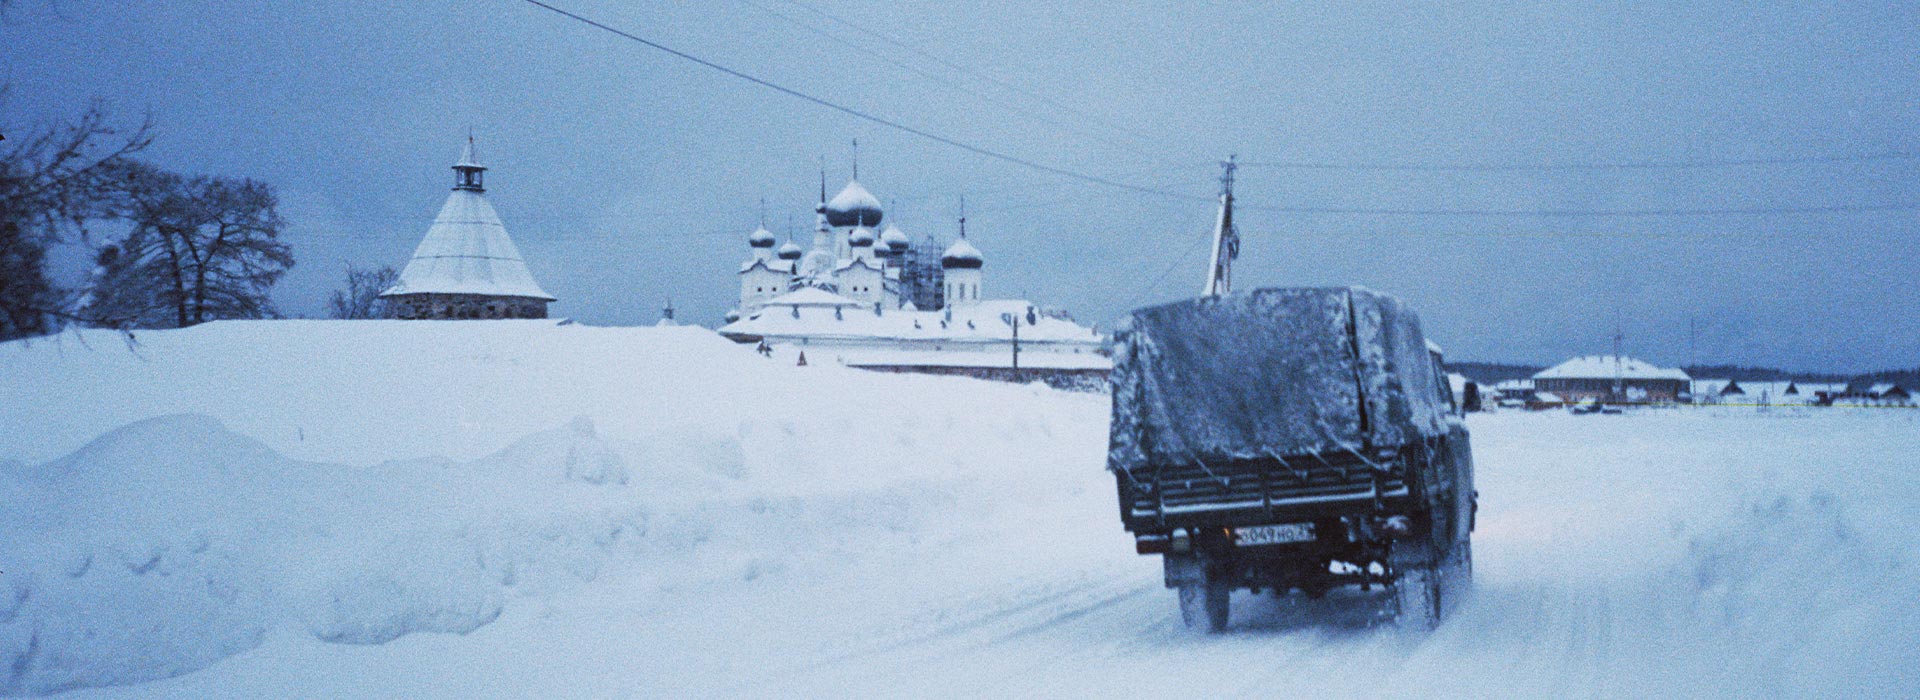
(1623, 165)
(1561, 213)
(1147, 291)
(865, 115)
(860, 50)
(1144, 139)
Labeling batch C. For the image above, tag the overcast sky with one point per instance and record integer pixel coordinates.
(628, 176)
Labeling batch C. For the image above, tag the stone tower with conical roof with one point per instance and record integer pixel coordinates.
(466, 267)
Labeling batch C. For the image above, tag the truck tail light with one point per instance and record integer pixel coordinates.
(1150, 544)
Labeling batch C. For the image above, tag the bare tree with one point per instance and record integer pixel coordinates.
(201, 249)
(361, 298)
(53, 182)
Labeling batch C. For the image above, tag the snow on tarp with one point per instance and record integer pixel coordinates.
(1272, 371)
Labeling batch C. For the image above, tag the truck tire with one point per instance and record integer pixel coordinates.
(1418, 591)
(1456, 577)
(1417, 596)
(1205, 604)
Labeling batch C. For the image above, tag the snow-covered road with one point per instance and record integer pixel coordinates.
(685, 520)
(1659, 554)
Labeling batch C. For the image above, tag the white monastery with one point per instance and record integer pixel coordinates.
(467, 266)
(876, 301)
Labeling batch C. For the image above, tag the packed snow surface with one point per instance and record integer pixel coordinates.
(525, 509)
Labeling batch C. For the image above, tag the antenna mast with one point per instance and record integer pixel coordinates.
(1619, 364)
(1226, 241)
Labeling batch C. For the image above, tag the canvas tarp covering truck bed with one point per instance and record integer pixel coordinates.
(1271, 373)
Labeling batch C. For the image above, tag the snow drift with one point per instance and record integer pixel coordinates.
(174, 541)
(527, 509)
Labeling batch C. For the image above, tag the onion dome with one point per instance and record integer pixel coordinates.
(790, 251)
(732, 315)
(854, 206)
(962, 255)
(860, 237)
(761, 238)
(894, 239)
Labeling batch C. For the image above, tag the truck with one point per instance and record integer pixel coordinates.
(1292, 440)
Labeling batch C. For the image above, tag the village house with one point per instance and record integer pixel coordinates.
(1610, 379)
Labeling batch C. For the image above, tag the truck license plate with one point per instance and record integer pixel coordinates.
(1273, 534)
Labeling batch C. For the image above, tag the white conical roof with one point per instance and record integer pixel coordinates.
(854, 206)
(467, 251)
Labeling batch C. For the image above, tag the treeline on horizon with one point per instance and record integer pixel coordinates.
(1489, 373)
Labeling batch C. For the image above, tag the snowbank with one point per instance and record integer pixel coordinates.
(523, 459)
(523, 509)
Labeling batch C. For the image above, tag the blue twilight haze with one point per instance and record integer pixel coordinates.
(629, 177)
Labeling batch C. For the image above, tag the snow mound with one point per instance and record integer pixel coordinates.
(168, 543)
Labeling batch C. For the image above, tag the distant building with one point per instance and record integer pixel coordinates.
(466, 267)
(989, 339)
(1611, 379)
(1513, 390)
(883, 303)
(1889, 392)
(850, 259)
(1769, 393)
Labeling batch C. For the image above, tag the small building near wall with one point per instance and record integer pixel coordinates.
(1612, 379)
(466, 267)
(1001, 339)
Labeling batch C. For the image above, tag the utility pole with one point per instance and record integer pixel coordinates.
(1013, 320)
(1226, 240)
(1693, 351)
(1619, 364)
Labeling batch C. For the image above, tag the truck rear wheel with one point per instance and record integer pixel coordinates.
(1206, 604)
(1456, 577)
(1417, 597)
(1417, 587)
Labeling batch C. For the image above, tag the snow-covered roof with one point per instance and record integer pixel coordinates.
(1775, 392)
(467, 251)
(961, 254)
(894, 238)
(761, 238)
(978, 322)
(848, 264)
(812, 297)
(853, 206)
(1458, 382)
(776, 265)
(1607, 367)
